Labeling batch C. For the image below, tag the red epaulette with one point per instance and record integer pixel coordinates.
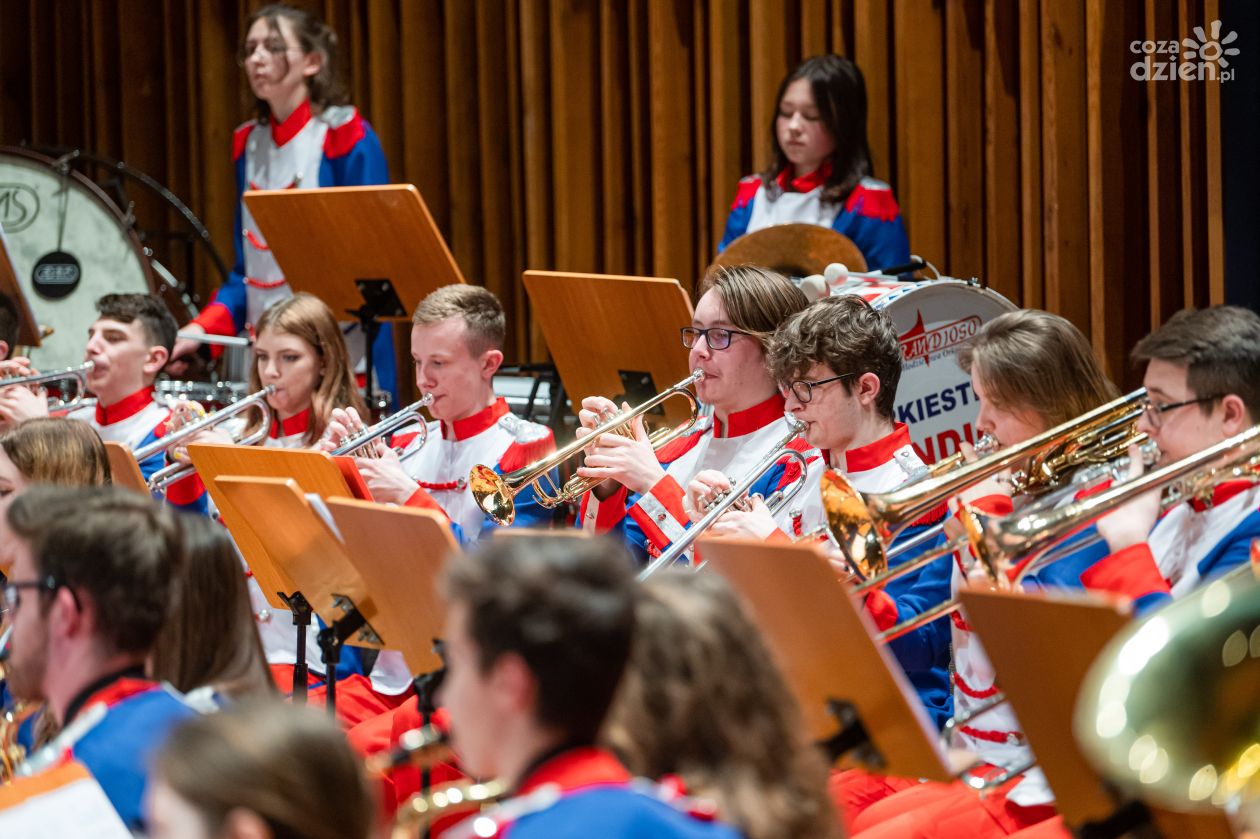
(746, 191)
(672, 451)
(524, 452)
(871, 201)
(240, 137)
(341, 139)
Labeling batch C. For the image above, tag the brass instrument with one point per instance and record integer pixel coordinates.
(75, 375)
(496, 494)
(173, 472)
(422, 747)
(419, 812)
(736, 495)
(11, 752)
(356, 443)
(1000, 540)
(1169, 710)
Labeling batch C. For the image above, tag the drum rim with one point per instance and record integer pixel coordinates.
(102, 199)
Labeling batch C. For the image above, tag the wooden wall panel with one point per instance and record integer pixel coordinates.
(609, 134)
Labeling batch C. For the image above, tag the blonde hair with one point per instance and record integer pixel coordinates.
(1035, 361)
(64, 452)
(309, 318)
(702, 699)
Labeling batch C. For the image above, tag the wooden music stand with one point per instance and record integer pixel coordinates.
(825, 645)
(613, 336)
(371, 251)
(1042, 645)
(399, 553)
(29, 333)
(124, 471)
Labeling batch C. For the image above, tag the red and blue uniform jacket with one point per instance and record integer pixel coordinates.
(650, 523)
(1195, 541)
(115, 730)
(869, 215)
(334, 148)
(585, 791)
(924, 654)
(135, 421)
(493, 436)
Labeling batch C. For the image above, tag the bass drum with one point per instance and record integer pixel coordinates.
(69, 245)
(933, 319)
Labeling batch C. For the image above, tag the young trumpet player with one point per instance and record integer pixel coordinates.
(128, 345)
(642, 494)
(457, 338)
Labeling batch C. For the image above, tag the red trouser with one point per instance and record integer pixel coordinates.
(947, 811)
(853, 790)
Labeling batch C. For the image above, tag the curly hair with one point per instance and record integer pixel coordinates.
(702, 699)
(847, 335)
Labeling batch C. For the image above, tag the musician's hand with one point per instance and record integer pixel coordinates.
(21, 403)
(19, 365)
(385, 477)
(343, 424)
(702, 491)
(595, 410)
(630, 462)
(754, 523)
(1131, 524)
(184, 346)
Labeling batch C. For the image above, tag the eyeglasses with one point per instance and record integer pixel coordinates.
(716, 337)
(12, 597)
(804, 391)
(274, 46)
(1155, 413)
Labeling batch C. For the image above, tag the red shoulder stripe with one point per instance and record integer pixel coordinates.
(873, 203)
(522, 454)
(239, 137)
(341, 139)
(746, 191)
(679, 447)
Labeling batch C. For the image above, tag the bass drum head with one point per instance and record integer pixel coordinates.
(934, 397)
(69, 246)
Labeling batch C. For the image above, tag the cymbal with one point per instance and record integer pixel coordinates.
(796, 250)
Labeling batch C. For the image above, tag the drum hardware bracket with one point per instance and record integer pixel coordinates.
(851, 738)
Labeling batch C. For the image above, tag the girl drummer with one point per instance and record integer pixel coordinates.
(820, 171)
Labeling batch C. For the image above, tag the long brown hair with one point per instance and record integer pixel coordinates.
(49, 450)
(292, 767)
(309, 318)
(702, 699)
(313, 36)
(209, 638)
(1036, 361)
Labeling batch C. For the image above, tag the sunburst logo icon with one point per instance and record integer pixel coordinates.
(1210, 49)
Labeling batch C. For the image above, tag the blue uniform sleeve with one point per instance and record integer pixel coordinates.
(927, 647)
(882, 243)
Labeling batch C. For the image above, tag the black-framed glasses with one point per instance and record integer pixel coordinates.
(275, 46)
(12, 597)
(804, 390)
(1155, 413)
(717, 337)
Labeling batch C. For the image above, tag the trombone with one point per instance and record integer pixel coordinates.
(737, 494)
(76, 375)
(496, 494)
(173, 472)
(355, 443)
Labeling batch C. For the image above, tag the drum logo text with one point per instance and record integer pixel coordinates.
(923, 343)
(19, 204)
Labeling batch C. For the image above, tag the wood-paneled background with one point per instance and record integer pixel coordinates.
(607, 135)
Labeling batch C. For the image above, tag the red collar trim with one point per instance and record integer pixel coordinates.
(804, 183)
(283, 132)
(119, 691)
(474, 424)
(878, 453)
(1222, 493)
(124, 408)
(751, 419)
(577, 768)
(296, 424)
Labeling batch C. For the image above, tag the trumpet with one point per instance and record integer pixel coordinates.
(173, 472)
(496, 494)
(75, 375)
(420, 811)
(355, 443)
(736, 495)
